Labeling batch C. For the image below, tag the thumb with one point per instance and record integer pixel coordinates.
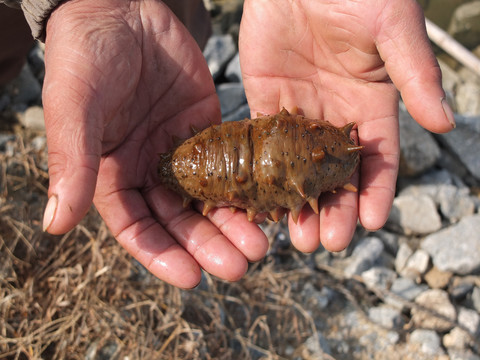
(405, 48)
(74, 149)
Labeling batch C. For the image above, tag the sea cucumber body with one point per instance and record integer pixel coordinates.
(268, 164)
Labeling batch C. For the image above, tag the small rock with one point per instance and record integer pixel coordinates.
(453, 201)
(364, 256)
(460, 287)
(450, 254)
(429, 341)
(379, 277)
(456, 354)
(437, 279)
(239, 114)
(476, 298)
(233, 72)
(437, 302)
(414, 215)
(316, 346)
(4, 139)
(386, 317)
(465, 24)
(416, 265)
(218, 52)
(470, 320)
(25, 88)
(468, 98)
(403, 254)
(418, 149)
(463, 142)
(33, 118)
(457, 338)
(407, 289)
(231, 96)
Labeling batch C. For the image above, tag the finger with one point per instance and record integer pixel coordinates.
(305, 234)
(404, 46)
(210, 248)
(244, 235)
(74, 148)
(379, 169)
(145, 239)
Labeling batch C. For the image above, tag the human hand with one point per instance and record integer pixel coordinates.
(342, 61)
(123, 77)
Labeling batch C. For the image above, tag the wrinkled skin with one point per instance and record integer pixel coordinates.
(341, 61)
(122, 77)
(117, 88)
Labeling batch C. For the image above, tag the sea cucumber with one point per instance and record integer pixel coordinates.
(270, 164)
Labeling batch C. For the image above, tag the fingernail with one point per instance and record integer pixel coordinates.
(448, 113)
(50, 210)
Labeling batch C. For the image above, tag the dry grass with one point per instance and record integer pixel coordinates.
(81, 296)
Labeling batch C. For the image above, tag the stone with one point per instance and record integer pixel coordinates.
(450, 254)
(465, 24)
(437, 279)
(233, 72)
(470, 320)
(454, 201)
(239, 114)
(416, 265)
(218, 52)
(414, 215)
(463, 142)
(418, 149)
(403, 254)
(434, 311)
(456, 354)
(386, 317)
(476, 298)
(457, 338)
(460, 287)
(231, 96)
(379, 277)
(33, 118)
(364, 256)
(5, 138)
(403, 290)
(428, 340)
(468, 98)
(25, 88)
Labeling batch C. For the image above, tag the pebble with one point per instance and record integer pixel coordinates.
(437, 302)
(218, 52)
(231, 96)
(25, 88)
(386, 316)
(379, 277)
(463, 142)
(33, 118)
(416, 265)
(457, 338)
(437, 279)
(454, 201)
(428, 340)
(407, 289)
(476, 298)
(364, 256)
(414, 215)
(418, 149)
(456, 354)
(233, 72)
(470, 320)
(450, 254)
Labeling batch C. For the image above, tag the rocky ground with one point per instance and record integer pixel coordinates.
(408, 291)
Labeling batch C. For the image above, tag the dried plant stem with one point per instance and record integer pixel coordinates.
(453, 47)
